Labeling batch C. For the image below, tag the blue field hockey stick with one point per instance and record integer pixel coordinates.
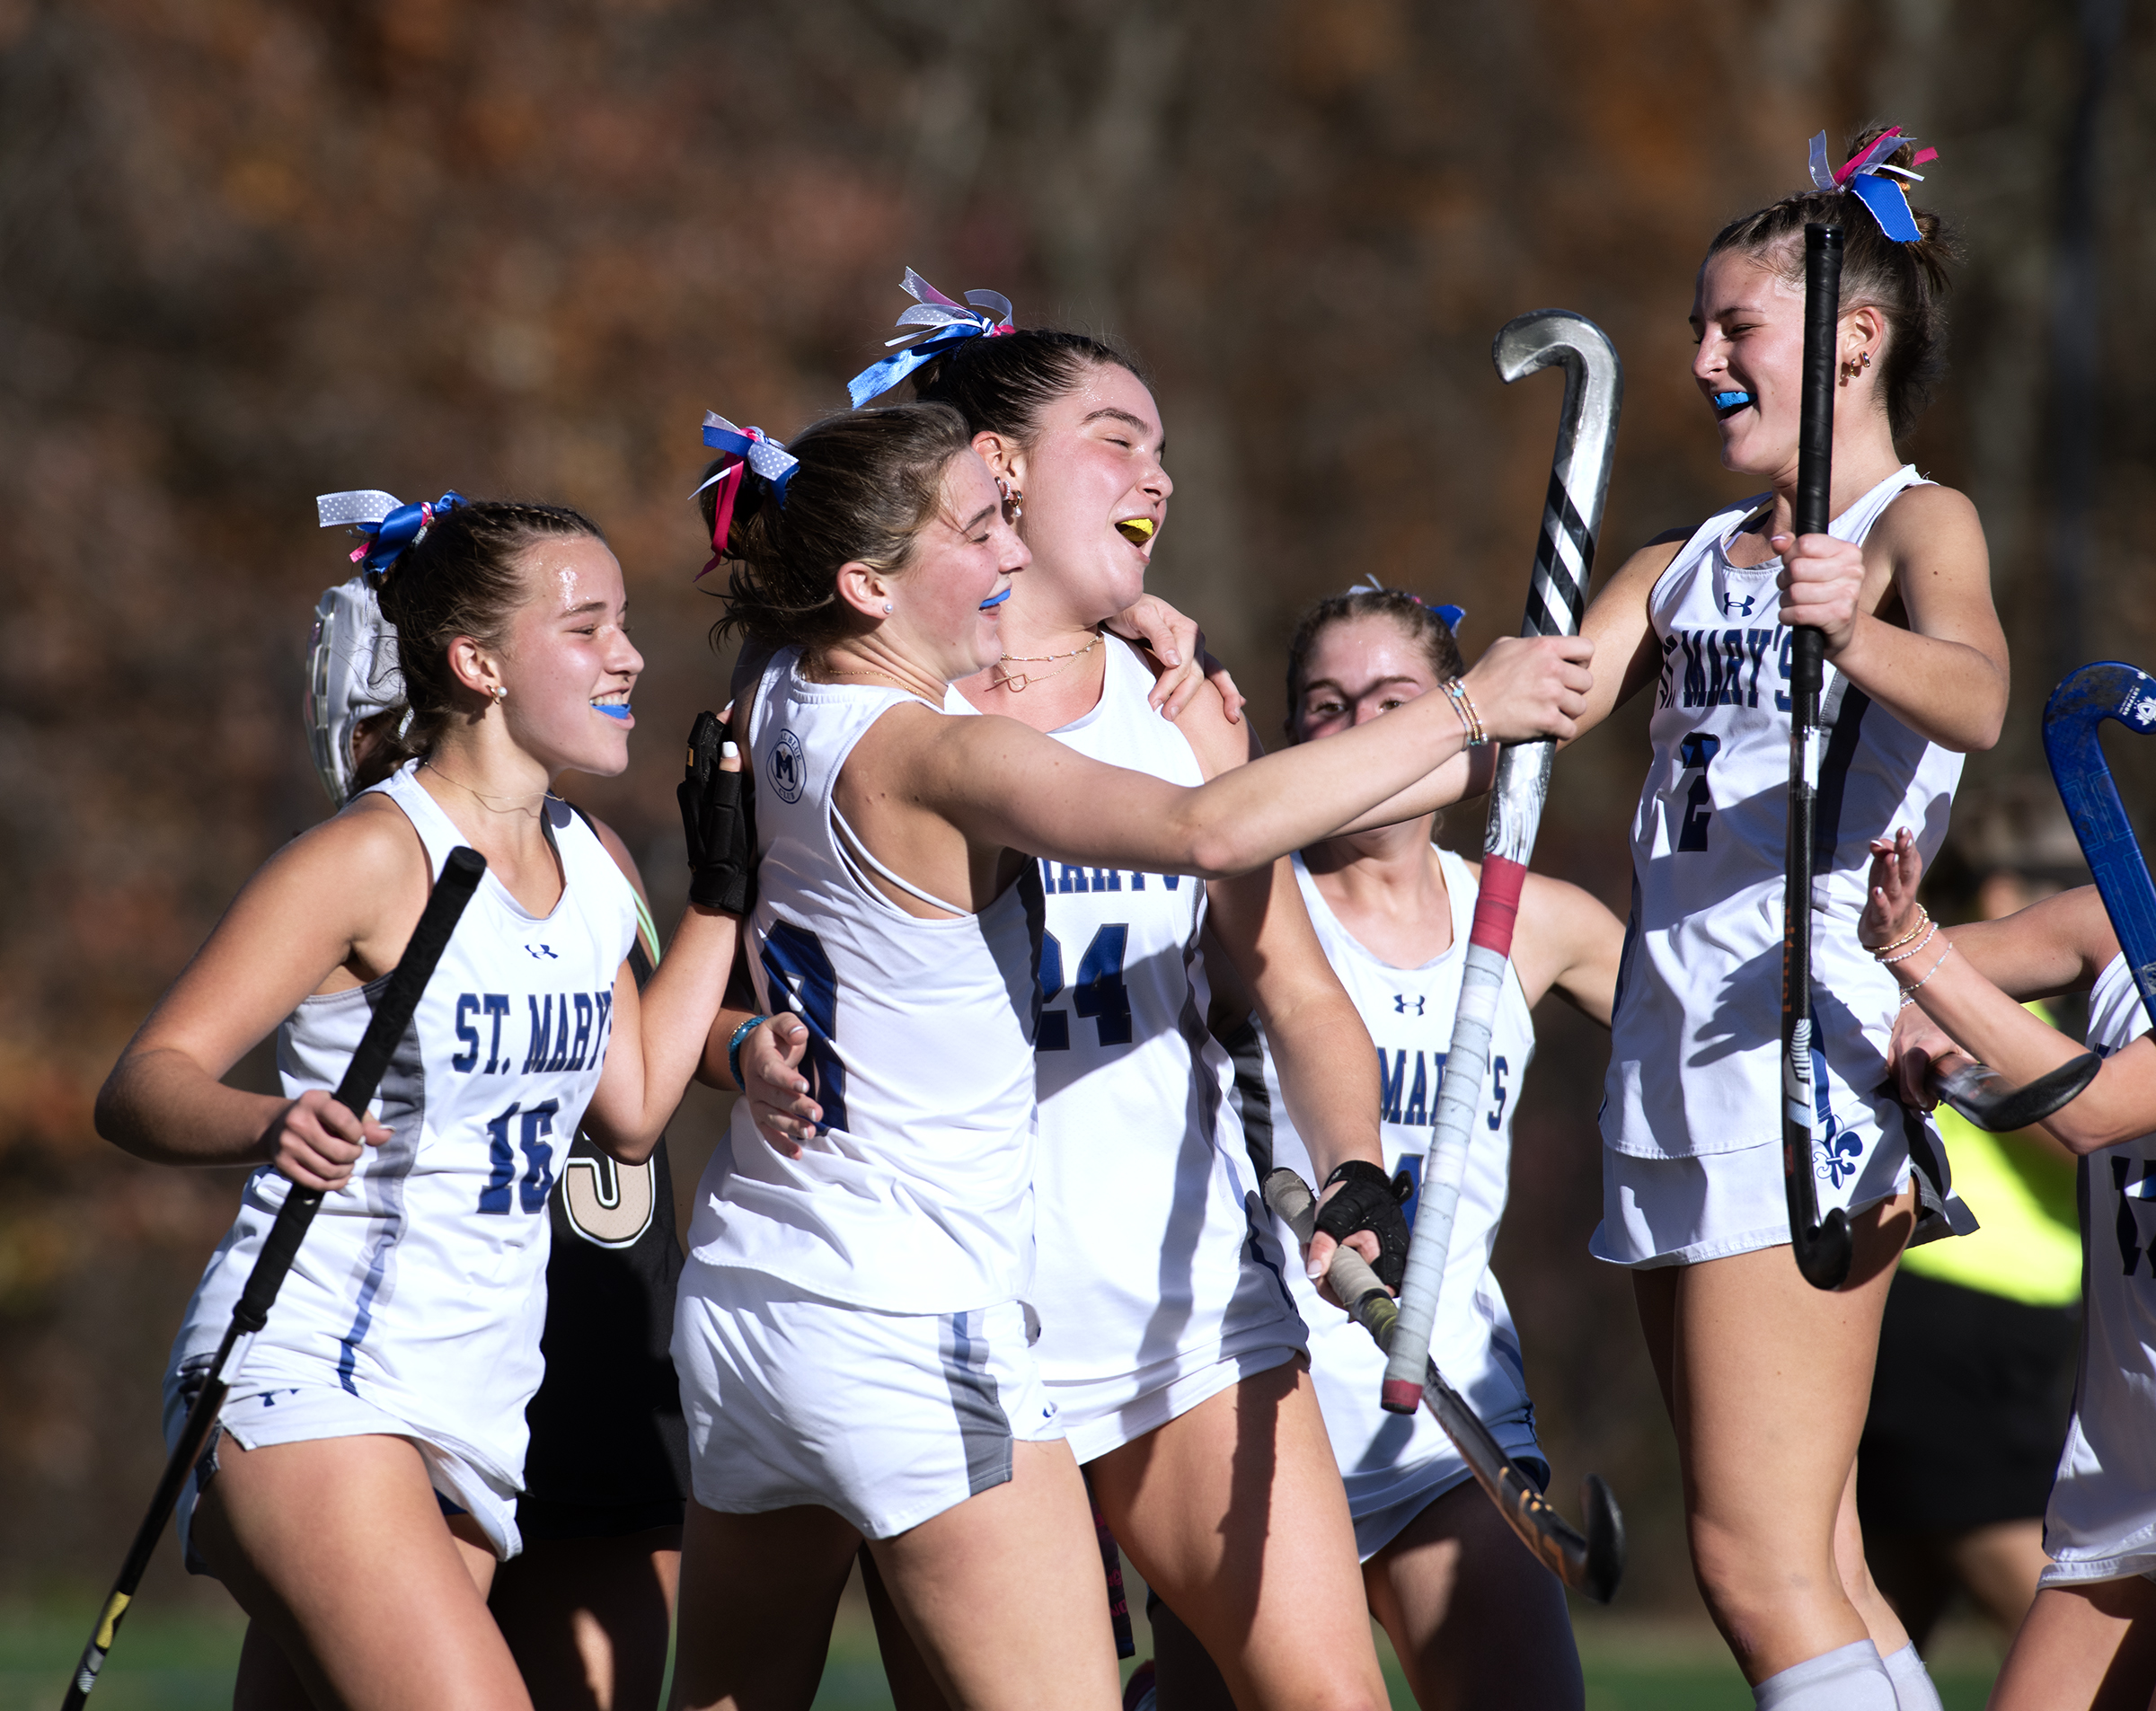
(2088, 697)
(1822, 1246)
(1592, 1563)
(1556, 594)
(393, 1014)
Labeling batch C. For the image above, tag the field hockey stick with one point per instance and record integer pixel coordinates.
(1989, 1100)
(1822, 1249)
(392, 1015)
(2094, 694)
(1592, 1563)
(1556, 594)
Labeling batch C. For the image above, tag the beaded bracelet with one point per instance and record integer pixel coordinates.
(1924, 917)
(1910, 991)
(1470, 721)
(1904, 956)
(733, 1046)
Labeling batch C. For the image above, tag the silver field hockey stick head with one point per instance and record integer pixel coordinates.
(1579, 471)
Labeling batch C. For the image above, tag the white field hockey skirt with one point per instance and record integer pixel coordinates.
(2099, 1524)
(257, 1416)
(1681, 1211)
(887, 1419)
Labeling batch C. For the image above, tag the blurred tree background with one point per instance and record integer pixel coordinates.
(253, 251)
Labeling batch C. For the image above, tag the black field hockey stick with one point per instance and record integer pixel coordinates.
(1989, 1100)
(392, 1015)
(1556, 594)
(1592, 1563)
(1822, 1249)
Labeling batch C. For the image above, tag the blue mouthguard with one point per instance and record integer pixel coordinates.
(613, 709)
(1731, 400)
(995, 600)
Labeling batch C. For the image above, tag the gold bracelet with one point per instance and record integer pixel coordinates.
(1470, 721)
(1913, 950)
(1923, 916)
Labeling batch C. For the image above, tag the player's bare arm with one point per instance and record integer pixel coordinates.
(1943, 673)
(329, 911)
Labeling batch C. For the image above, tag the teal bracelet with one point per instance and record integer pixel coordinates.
(733, 1046)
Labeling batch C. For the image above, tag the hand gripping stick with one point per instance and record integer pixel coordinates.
(1591, 1565)
(392, 1015)
(1822, 1249)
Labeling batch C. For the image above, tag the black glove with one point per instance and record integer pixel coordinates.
(718, 817)
(1368, 1200)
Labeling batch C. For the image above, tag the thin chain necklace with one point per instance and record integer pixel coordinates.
(1017, 682)
(484, 801)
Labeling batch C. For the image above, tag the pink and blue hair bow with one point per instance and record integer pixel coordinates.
(944, 323)
(390, 526)
(750, 451)
(1450, 614)
(1862, 175)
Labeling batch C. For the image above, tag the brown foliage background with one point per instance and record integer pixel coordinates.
(253, 251)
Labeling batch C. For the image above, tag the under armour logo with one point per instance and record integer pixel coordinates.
(1401, 1000)
(1734, 607)
(546, 952)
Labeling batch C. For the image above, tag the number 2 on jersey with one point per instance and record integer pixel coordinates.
(1697, 750)
(1100, 995)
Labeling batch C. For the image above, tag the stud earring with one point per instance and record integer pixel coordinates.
(888, 606)
(500, 694)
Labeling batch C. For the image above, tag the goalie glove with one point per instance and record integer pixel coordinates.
(718, 817)
(1368, 1200)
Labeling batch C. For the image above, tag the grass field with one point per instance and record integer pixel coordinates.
(183, 1662)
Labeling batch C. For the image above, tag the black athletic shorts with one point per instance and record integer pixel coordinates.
(1969, 1410)
(609, 1452)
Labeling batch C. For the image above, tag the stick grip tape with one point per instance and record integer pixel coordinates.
(1816, 403)
(1352, 1280)
(1497, 903)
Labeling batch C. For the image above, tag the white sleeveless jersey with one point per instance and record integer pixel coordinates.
(1146, 1272)
(421, 1286)
(917, 1195)
(2101, 1521)
(1409, 1012)
(1695, 1054)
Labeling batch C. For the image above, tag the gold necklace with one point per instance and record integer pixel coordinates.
(484, 801)
(1017, 682)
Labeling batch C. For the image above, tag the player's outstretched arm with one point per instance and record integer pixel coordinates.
(1955, 992)
(1004, 783)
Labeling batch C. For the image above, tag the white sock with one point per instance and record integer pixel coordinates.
(1850, 1678)
(1912, 1689)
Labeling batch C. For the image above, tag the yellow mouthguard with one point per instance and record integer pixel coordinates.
(1136, 530)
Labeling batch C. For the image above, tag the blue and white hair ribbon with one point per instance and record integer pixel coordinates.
(1450, 614)
(749, 451)
(943, 323)
(389, 525)
(1862, 175)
